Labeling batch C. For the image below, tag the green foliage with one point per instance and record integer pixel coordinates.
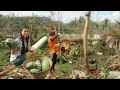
(2, 44)
(11, 23)
(81, 19)
(100, 44)
(4, 57)
(41, 52)
(72, 54)
(65, 68)
(104, 73)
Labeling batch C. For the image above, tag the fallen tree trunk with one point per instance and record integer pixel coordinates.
(81, 40)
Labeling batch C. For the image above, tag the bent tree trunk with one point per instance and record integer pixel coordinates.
(85, 41)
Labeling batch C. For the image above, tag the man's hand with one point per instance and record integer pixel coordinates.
(55, 27)
(57, 45)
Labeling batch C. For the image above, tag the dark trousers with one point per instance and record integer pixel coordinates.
(54, 60)
(19, 60)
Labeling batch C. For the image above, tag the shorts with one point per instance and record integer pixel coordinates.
(19, 60)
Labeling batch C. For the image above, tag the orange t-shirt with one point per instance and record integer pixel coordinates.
(52, 46)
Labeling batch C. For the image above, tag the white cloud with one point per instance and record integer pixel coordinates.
(115, 16)
(111, 15)
(67, 16)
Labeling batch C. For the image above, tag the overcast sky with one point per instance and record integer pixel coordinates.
(67, 16)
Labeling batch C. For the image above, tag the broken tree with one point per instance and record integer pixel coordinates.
(85, 40)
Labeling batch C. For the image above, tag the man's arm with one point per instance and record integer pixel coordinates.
(56, 34)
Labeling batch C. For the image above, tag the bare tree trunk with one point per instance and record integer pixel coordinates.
(81, 53)
(85, 41)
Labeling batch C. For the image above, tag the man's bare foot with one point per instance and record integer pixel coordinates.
(48, 76)
(53, 70)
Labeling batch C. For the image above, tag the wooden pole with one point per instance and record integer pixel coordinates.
(85, 41)
(58, 22)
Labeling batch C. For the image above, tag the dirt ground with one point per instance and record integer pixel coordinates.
(63, 70)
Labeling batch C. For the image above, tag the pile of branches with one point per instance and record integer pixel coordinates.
(114, 64)
(114, 33)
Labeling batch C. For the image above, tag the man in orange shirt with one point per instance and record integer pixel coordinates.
(52, 42)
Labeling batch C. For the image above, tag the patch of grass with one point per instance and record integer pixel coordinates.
(65, 69)
(62, 70)
(42, 52)
(4, 57)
